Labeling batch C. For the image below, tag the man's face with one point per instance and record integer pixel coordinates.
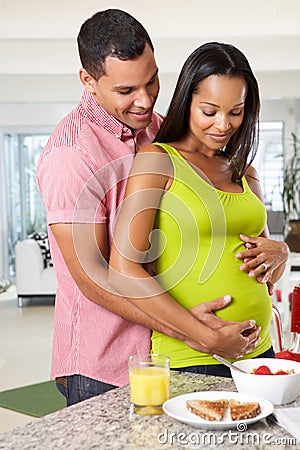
(129, 89)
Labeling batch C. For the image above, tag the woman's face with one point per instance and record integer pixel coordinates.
(217, 110)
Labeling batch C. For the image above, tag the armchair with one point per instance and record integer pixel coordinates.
(33, 279)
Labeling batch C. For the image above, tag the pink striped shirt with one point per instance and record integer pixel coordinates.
(82, 174)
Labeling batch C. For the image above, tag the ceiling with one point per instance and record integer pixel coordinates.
(38, 42)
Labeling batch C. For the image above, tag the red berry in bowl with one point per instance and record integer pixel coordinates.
(262, 370)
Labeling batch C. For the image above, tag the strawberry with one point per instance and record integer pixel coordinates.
(262, 370)
(281, 372)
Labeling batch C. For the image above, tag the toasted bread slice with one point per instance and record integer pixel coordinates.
(245, 410)
(208, 409)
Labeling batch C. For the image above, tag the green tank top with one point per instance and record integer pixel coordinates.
(198, 238)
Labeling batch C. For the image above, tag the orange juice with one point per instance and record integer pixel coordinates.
(149, 386)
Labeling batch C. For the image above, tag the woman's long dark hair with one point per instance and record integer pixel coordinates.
(209, 59)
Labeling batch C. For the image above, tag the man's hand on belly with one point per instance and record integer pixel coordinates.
(205, 312)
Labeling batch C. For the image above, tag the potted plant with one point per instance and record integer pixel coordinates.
(290, 197)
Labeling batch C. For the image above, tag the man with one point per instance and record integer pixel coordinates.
(81, 175)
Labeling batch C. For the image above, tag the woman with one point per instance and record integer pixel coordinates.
(193, 193)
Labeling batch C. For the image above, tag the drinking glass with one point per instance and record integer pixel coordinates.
(149, 377)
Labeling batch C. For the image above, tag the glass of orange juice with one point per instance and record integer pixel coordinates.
(149, 377)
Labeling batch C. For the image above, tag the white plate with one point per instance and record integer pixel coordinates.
(176, 408)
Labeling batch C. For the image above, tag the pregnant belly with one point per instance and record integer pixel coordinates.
(250, 301)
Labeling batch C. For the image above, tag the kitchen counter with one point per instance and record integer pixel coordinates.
(104, 422)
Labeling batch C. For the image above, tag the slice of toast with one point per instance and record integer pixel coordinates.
(208, 409)
(245, 410)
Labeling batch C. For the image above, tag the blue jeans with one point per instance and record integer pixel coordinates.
(76, 388)
(219, 370)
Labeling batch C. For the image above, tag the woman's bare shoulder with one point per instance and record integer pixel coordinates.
(251, 172)
(151, 148)
(152, 158)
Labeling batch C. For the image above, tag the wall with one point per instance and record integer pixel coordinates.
(38, 53)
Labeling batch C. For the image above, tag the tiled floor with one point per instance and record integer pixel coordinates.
(25, 348)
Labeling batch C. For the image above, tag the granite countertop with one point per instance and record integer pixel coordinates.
(104, 422)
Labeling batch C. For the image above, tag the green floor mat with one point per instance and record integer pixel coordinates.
(36, 400)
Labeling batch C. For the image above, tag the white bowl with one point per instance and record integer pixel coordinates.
(278, 389)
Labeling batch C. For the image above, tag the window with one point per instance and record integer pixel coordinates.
(269, 163)
(25, 209)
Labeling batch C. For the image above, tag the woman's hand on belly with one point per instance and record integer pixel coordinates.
(262, 257)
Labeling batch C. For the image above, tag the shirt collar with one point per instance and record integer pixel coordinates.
(101, 117)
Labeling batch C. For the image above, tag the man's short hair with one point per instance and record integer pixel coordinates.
(112, 33)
